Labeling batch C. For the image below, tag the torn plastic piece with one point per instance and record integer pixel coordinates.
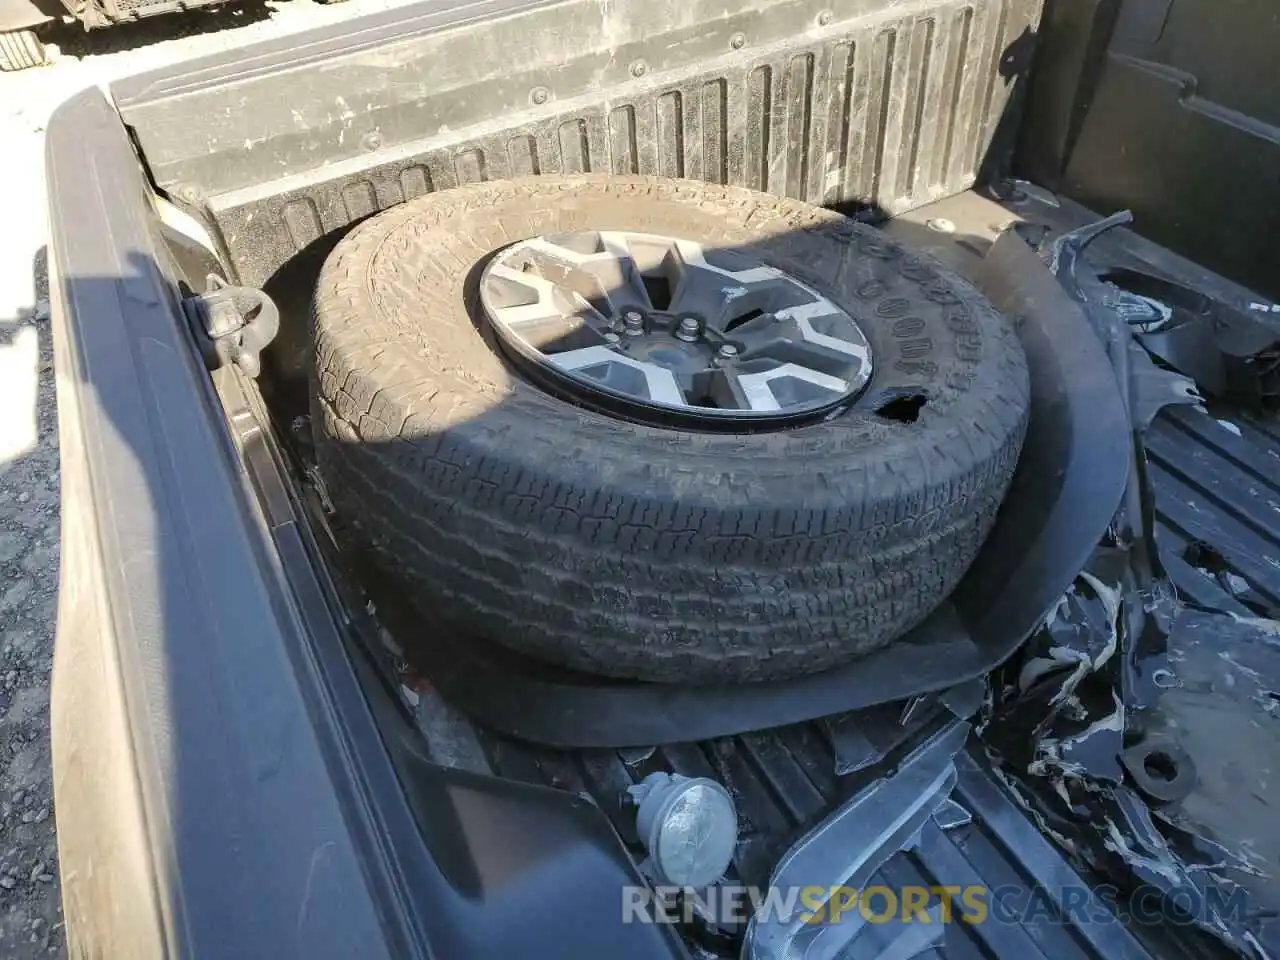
(1142, 313)
(1092, 752)
(1068, 249)
(852, 749)
(1153, 389)
(965, 699)
(847, 848)
(1211, 722)
(952, 814)
(1228, 353)
(1155, 859)
(1059, 718)
(1231, 355)
(862, 738)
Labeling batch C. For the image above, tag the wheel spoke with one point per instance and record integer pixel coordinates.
(615, 269)
(615, 370)
(786, 385)
(726, 289)
(700, 293)
(774, 345)
(607, 277)
(544, 314)
(719, 388)
(813, 335)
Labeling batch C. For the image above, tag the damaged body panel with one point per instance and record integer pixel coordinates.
(1105, 687)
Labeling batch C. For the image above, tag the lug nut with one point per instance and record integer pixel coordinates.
(728, 350)
(634, 322)
(688, 329)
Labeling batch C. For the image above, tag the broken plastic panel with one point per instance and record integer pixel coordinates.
(1226, 352)
(1137, 727)
(843, 852)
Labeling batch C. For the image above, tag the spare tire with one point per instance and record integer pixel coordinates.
(627, 541)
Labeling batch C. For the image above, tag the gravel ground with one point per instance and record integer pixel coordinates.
(30, 910)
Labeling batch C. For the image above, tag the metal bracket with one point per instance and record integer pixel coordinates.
(231, 325)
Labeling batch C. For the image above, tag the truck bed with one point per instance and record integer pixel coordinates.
(211, 662)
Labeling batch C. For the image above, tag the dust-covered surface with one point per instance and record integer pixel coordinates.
(30, 911)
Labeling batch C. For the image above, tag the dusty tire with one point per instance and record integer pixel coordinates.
(20, 50)
(638, 551)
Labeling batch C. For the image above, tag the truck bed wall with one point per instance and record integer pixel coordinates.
(866, 103)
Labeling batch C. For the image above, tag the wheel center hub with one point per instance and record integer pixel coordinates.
(671, 353)
(661, 329)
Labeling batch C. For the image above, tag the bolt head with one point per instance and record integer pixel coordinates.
(611, 338)
(738, 41)
(824, 17)
(540, 95)
(728, 350)
(639, 68)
